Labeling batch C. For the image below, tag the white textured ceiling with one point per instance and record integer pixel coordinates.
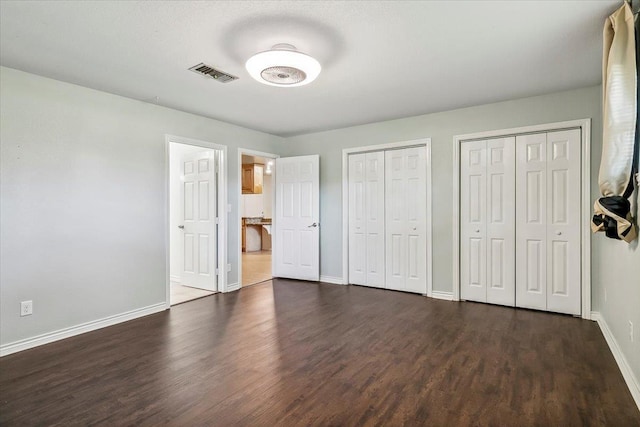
(381, 60)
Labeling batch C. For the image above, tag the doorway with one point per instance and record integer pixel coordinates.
(257, 178)
(195, 219)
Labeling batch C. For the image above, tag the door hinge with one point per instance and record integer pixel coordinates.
(217, 271)
(217, 220)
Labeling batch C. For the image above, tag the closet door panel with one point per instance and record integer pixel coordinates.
(501, 221)
(563, 222)
(374, 217)
(416, 227)
(531, 229)
(405, 200)
(473, 253)
(357, 221)
(395, 219)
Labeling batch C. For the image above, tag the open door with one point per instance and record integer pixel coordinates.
(199, 221)
(297, 214)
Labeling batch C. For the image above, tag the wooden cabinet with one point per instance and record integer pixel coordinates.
(252, 178)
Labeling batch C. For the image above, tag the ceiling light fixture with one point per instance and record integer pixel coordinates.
(283, 66)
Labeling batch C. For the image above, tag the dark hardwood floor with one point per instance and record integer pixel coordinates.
(292, 353)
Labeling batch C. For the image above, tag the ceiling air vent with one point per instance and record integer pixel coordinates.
(206, 70)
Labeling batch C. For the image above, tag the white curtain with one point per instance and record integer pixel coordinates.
(620, 116)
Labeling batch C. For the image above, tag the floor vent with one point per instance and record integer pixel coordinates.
(207, 70)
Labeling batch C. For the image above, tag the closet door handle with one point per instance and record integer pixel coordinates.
(559, 233)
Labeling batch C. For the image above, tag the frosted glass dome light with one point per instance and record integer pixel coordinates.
(283, 66)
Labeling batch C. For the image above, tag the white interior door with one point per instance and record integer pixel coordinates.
(357, 222)
(473, 221)
(563, 221)
(297, 214)
(531, 221)
(199, 221)
(405, 219)
(500, 231)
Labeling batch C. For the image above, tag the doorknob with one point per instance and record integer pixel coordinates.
(477, 230)
(559, 233)
(181, 227)
(314, 225)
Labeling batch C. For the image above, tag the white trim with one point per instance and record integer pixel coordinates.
(222, 203)
(232, 287)
(82, 328)
(426, 142)
(429, 230)
(625, 369)
(248, 152)
(585, 211)
(332, 279)
(447, 296)
(175, 278)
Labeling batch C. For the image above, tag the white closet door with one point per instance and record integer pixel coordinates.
(500, 231)
(531, 219)
(357, 223)
(563, 221)
(374, 217)
(473, 196)
(405, 219)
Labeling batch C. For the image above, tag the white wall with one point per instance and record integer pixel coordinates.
(616, 270)
(176, 159)
(441, 128)
(267, 196)
(614, 264)
(253, 206)
(82, 215)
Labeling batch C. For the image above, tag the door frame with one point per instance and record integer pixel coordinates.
(248, 152)
(422, 142)
(222, 203)
(585, 198)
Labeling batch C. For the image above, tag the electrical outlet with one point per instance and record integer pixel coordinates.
(26, 308)
(630, 331)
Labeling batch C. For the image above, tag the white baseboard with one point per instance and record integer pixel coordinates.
(174, 278)
(627, 373)
(447, 296)
(331, 279)
(61, 334)
(231, 287)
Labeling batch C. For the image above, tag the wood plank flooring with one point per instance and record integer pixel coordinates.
(291, 353)
(256, 267)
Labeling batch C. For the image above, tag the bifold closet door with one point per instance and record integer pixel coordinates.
(357, 224)
(548, 221)
(405, 219)
(473, 221)
(487, 237)
(366, 219)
